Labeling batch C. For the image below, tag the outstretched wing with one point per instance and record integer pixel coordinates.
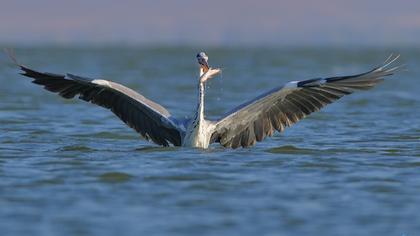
(148, 118)
(286, 105)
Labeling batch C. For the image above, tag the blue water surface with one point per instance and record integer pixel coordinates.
(70, 168)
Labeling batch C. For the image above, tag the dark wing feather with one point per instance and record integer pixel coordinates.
(148, 118)
(286, 105)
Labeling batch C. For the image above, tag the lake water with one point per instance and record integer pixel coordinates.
(70, 168)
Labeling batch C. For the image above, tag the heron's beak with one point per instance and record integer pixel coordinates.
(204, 66)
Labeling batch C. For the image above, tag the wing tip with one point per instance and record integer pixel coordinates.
(388, 67)
(11, 54)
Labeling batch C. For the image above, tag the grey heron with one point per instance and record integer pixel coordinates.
(243, 126)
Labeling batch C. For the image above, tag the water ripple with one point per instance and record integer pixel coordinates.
(115, 177)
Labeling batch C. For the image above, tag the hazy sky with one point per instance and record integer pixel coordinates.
(211, 22)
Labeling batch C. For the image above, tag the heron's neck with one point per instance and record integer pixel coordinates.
(200, 108)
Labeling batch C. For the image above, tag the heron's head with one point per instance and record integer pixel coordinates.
(202, 59)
